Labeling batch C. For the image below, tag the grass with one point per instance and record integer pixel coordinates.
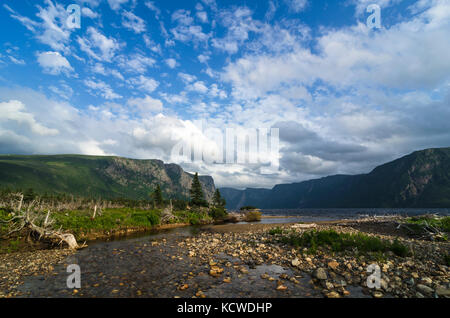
(81, 222)
(339, 242)
(193, 217)
(11, 246)
(276, 230)
(4, 216)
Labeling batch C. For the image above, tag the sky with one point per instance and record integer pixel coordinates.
(139, 78)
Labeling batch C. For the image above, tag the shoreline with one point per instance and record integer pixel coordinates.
(247, 245)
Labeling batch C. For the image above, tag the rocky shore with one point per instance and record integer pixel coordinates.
(422, 274)
(234, 260)
(15, 267)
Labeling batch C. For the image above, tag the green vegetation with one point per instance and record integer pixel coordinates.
(339, 242)
(440, 223)
(4, 216)
(95, 177)
(197, 196)
(81, 222)
(157, 196)
(276, 230)
(447, 259)
(218, 200)
(252, 216)
(193, 217)
(218, 212)
(11, 246)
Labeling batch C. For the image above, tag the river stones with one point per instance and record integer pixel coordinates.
(424, 289)
(321, 273)
(333, 265)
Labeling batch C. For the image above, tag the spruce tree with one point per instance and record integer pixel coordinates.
(218, 201)
(218, 211)
(197, 196)
(157, 195)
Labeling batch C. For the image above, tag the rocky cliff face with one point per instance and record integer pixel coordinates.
(421, 179)
(93, 176)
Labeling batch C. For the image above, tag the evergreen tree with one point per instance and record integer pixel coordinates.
(197, 196)
(218, 201)
(218, 211)
(157, 195)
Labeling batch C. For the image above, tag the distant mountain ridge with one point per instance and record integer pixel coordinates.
(420, 179)
(97, 176)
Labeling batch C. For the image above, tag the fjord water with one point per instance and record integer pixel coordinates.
(316, 215)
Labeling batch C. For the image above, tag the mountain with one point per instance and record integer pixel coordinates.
(421, 179)
(97, 176)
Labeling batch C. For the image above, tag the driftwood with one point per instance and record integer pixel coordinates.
(426, 231)
(26, 219)
(304, 226)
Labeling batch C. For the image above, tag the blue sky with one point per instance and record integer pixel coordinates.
(138, 76)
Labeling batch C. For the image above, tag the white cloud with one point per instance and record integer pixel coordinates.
(98, 46)
(186, 31)
(137, 63)
(144, 83)
(16, 61)
(361, 5)
(89, 13)
(102, 89)
(15, 111)
(133, 22)
(352, 57)
(146, 104)
(92, 148)
(172, 63)
(116, 4)
(198, 87)
(52, 30)
(239, 23)
(63, 91)
(297, 5)
(91, 3)
(203, 16)
(151, 5)
(187, 78)
(216, 92)
(53, 63)
(203, 58)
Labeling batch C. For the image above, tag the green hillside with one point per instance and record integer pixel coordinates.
(96, 176)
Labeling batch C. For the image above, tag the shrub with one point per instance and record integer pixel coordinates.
(179, 205)
(253, 216)
(218, 213)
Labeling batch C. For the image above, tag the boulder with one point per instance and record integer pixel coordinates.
(321, 273)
